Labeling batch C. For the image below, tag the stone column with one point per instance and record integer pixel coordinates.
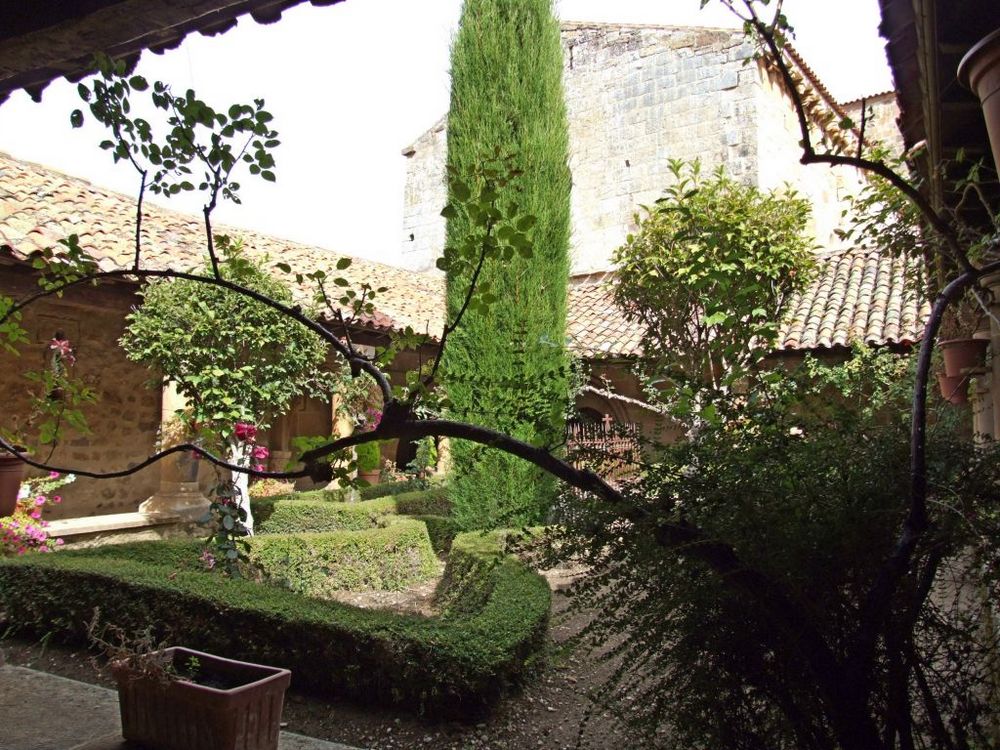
(179, 493)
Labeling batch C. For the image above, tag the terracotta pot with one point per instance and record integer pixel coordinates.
(980, 71)
(962, 354)
(11, 474)
(239, 708)
(372, 477)
(954, 390)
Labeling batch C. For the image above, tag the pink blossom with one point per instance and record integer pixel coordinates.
(260, 452)
(53, 475)
(60, 542)
(57, 498)
(36, 514)
(63, 350)
(39, 500)
(258, 467)
(245, 431)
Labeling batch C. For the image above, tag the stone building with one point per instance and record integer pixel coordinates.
(638, 96)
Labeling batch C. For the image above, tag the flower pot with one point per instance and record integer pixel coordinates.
(11, 474)
(980, 71)
(954, 390)
(239, 707)
(372, 477)
(962, 354)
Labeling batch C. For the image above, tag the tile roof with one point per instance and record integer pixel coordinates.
(858, 295)
(38, 206)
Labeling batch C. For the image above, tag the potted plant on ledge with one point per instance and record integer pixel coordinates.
(181, 699)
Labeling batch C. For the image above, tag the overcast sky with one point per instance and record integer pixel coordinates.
(352, 84)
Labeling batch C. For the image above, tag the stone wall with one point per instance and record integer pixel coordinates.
(125, 419)
(637, 96)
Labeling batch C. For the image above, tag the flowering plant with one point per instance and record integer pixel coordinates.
(26, 531)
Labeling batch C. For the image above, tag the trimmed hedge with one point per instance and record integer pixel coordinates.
(441, 530)
(291, 514)
(391, 488)
(446, 666)
(433, 501)
(384, 559)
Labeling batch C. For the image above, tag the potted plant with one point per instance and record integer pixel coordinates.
(960, 350)
(369, 460)
(980, 72)
(180, 699)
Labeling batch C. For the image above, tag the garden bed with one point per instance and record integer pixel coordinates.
(445, 666)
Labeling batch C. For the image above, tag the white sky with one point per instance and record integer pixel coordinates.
(352, 84)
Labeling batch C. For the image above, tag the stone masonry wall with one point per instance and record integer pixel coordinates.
(637, 96)
(124, 421)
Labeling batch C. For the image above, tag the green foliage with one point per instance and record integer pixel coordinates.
(441, 530)
(314, 511)
(507, 227)
(368, 456)
(232, 358)
(809, 485)
(385, 489)
(443, 666)
(317, 564)
(709, 275)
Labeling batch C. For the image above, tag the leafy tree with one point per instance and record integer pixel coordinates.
(235, 360)
(709, 275)
(506, 366)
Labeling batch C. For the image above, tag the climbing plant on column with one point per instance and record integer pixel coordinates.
(506, 367)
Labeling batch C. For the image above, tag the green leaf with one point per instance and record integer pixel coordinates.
(343, 263)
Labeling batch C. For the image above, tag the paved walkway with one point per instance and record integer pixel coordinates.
(40, 711)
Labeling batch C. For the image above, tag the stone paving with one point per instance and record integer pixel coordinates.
(40, 711)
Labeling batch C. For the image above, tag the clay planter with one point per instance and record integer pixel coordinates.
(962, 354)
(238, 707)
(980, 71)
(11, 474)
(954, 390)
(372, 477)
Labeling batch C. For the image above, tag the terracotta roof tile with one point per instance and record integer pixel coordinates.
(38, 206)
(857, 296)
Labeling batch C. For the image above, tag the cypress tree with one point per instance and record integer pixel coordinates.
(505, 367)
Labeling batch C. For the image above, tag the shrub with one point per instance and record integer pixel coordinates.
(385, 559)
(369, 457)
(392, 488)
(445, 666)
(431, 501)
(441, 530)
(307, 512)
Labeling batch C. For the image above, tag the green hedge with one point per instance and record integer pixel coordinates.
(392, 488)
(446, 666)
(292, 514)
(432, 501)
(385, 559)
(441, 530)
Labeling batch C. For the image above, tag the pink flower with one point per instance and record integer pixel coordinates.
(57, 498)
(36, 514)
(258, 467)
(245, 432)
(53, 475)
(260, 452)
(39, 500)
(63, 350)
(60, 542)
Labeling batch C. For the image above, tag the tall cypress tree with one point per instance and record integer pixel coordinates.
(505, 366)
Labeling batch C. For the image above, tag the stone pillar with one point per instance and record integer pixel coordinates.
(179, 493)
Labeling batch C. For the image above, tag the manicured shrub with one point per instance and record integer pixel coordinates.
(368, 455)
(431, 501)
(505, 367)
(392, 488)
(449, 666)
(291, 515)
(385, 559)
(441, 530)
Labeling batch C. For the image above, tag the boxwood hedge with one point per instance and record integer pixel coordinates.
(445, 666)
(381, 559)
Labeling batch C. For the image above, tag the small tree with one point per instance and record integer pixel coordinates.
(709, 275)
(236, 361)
